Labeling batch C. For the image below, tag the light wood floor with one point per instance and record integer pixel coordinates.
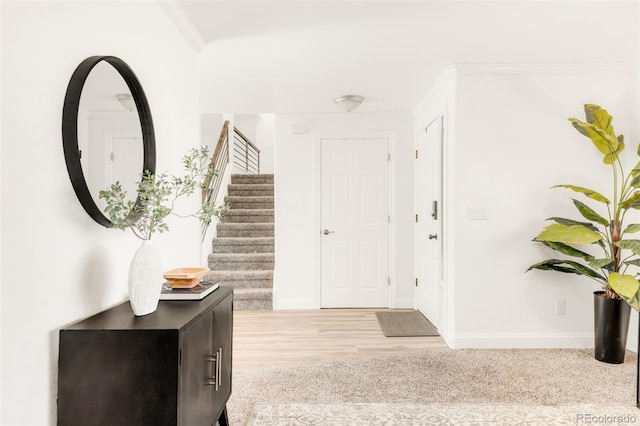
(263, 338)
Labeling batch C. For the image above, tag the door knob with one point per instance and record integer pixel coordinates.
(433, 236)
(327, 232)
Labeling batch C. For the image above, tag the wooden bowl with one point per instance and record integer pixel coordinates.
(185, 277)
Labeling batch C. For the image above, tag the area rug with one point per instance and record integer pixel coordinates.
(439, 414)
(441, 376)
(405, 324)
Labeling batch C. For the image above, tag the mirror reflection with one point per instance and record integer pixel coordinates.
(109, 133)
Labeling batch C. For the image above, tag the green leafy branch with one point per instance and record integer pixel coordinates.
(157, 195)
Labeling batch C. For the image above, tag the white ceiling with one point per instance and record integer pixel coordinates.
(296, 56)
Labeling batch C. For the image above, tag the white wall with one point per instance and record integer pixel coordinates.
(58, 265)
(259, 129)
(297, 221)
(265, 140)
(512, 143)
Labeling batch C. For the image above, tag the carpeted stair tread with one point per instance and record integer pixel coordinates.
(243, 245)
(252, 293)
(248, 212)
(250, 190)
(253, 305)
(243, 241)
(248, 216)
(252, 179)
(264, 257)
(250, 202)
(260, 274)
(239, 230)
(242, 279)
(241, 261)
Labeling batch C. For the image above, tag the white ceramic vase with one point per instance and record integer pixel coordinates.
(145, 279)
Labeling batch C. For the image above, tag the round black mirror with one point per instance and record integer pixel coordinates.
(105, 93)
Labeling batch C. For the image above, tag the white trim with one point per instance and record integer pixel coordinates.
(520, 341)
(437, 88)
(403, 303)
(183, 23)
(606, 68)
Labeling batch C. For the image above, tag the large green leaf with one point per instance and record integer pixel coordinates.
(570, 222)
(600, 263)
(599, 117)
(594, 195)
(635, 182)
(606, 144)
(589, 213)
(575, 234)
(568, 250)
(553, 265)
(632, 228)
(633, 245)
(632, 262)
(627, 286)
(566, 266)
(632, 202)
(636, 170)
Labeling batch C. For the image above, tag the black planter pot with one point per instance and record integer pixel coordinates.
(611, 324)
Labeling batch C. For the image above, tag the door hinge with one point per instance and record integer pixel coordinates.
(388, 280)
(389, 219)
(416, 153)
(416, 282)
(389, 157)
(416, 217)
(79, 153)
(112, 156)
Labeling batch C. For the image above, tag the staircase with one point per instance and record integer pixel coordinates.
(243, 251)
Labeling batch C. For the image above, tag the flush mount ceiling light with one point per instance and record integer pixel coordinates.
(126, 100)
(348, 102)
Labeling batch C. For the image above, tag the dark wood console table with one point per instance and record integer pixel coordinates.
(171, 367)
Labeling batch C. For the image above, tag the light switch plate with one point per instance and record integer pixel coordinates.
(478, 213)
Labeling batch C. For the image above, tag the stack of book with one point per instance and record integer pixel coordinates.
(194, 293)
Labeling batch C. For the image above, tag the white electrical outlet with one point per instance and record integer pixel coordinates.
(561, 307)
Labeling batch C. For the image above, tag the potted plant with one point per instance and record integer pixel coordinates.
(604, 231)
(157, 195)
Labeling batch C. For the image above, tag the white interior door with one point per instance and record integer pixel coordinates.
(429, 236)
(355, 223)
(126, 163)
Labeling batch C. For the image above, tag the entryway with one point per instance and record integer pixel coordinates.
(429, 219)
(355, 223)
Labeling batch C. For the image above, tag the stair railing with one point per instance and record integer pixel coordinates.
(246, 155)
(219, 161)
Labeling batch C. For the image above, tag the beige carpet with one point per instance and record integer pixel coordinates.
(439, 414)
(405, 324)
(441, 376)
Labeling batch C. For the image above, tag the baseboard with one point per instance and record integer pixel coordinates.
(283, 304)
(403, 303)
(520, 341)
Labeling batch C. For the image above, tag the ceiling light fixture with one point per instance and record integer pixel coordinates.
(127, 101)
(348, 102)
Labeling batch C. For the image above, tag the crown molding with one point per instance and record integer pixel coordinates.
(183, 23)
(569, 68)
